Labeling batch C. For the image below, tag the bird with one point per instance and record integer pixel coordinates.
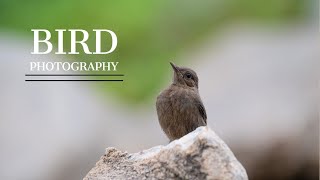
(179, 107)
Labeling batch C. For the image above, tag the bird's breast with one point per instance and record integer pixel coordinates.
(182, 100)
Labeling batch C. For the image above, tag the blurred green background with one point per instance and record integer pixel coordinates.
(150, 33)
(257, 63)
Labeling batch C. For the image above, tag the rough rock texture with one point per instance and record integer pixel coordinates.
(199, 155)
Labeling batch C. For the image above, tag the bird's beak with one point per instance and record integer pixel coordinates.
(175, 68)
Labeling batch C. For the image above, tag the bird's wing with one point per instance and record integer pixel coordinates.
(202, 111)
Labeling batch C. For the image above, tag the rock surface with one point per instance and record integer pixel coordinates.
(199, 155)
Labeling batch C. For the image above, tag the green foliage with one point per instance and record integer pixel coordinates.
(150, 33)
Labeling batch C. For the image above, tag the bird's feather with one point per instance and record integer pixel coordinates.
(202, 111)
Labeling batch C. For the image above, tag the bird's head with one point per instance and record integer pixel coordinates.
(184, 76)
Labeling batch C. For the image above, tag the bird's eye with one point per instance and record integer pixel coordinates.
(188, 75)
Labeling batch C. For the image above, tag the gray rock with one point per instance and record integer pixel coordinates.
(200, 154)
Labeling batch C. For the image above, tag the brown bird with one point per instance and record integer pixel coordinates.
(179, 107)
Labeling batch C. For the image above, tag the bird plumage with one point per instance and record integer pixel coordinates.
(179, 107)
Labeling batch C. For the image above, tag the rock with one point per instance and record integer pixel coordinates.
(200, 154)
